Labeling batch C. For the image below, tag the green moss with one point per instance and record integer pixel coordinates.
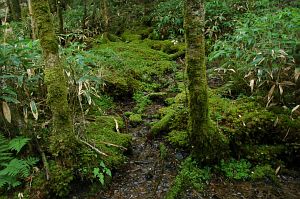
(101, 133)
(60, 180)
(144, 67)
(163, 151)
(128, 36)
(261, 172)
(179, 138)
(264, 153)
(158, 96)
(62, 140)
(164, 123)
(142, 101)
(135, 119)
(43, 19)
(190, 176)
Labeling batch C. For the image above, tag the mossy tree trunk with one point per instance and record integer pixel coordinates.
(60, 16)
(15, 7)
(53, 5)
(62, 139)
(105, 18)
(203, 136)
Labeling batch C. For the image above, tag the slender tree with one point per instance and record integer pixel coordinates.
(60, 16)
(32, 23)
(204, 138)
(62, 140)
(105, 17)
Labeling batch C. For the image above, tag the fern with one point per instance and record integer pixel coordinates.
(12, 169)
(18, 143)
(4, 149)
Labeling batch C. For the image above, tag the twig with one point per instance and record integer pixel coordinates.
(111, 144)
(117, 126)
(94, 148)
(44, 159)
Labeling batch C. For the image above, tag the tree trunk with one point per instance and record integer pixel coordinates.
(203, 136)
(62, 139)
(84, 15)
(60, 16)
(15, 9)
(105, 17)
(32, 23)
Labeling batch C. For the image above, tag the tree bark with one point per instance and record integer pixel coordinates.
(84, 15)
(62, 139)
(60, 16)
(203, 136)
(105, 17)
(32, 23)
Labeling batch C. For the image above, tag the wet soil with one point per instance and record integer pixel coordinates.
(146, 174)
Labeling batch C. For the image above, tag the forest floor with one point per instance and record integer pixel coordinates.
(149, 173)
(146, 175)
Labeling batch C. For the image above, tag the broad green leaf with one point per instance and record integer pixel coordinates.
(34, 110)
(6, 111)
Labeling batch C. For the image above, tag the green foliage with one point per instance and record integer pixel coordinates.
(168, 19)
(142, 101)
(18, 143)
(100, 172)
(135, 119)
(262, 171)
(237, 170)
(163, 151)
(221, 17)
(190, 176)
(101, 133)
(179, 138)
(259, 53)
(61, 178)
(12, 169)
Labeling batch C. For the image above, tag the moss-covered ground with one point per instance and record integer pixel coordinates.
(137, 129)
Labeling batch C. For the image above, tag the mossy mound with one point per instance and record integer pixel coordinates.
(104, 135)
(135, 119)
(254, 132)
(144, 67)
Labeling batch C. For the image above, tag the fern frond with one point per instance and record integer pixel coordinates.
(18, 143)
(5, 155)
(9, 181)
(31, 161)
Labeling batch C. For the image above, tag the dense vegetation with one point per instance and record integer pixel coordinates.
(121, 67)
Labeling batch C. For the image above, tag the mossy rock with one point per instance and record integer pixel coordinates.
(135, 119)
(242, 122)
(129, 36)
(120, 86)
(104, 136)
(179, 138)
(145, 68)
(157, 96)
(264, 153)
